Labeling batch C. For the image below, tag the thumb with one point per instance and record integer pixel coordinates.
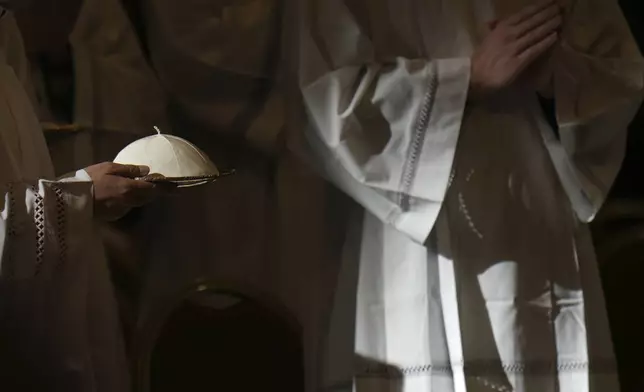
(129, 171)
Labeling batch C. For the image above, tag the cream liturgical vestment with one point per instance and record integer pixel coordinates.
(472, 269)
(58, 323)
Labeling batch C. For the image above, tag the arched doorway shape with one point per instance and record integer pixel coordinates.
(217, 335)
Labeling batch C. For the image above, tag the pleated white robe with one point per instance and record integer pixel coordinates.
(57, 310)
(471, 268)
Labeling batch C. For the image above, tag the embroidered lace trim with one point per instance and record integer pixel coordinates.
(487, 368)
(61, 226)
(39, 220)
(418, 139)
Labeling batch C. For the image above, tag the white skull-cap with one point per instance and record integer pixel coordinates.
(170, 156)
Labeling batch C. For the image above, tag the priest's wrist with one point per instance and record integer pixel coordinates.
(479, 86)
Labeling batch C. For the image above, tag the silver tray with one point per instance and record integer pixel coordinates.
(185, 182)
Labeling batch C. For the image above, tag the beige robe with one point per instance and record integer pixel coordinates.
(58, 321)
(117, 97)
(471, 269)
(262, 233)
